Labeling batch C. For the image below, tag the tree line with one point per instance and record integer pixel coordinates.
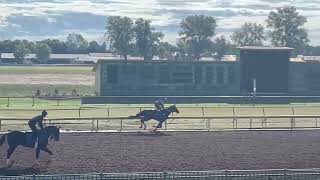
(197, 38)
(74, 44)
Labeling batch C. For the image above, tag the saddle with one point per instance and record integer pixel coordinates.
(30, 139)
(159, 112)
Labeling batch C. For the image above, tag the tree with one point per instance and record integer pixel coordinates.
(166, 51)
(20, 53)
(184, 49)
(43, 52)
(7, 46)
(147, 39)
(76, 44)
(250, 34)
(120, 35)
(29, 45)
(56, 46)
(220, 47)
(93, 47)
(196, 31)
(286, 28)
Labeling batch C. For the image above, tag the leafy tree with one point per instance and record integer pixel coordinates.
(43, 52)
(31, 46)
(184, 50)
(120, 35)
(93, 47)
(286, 28)
(250, 34)
(7, 46)
(20, 53)
(166, 51)
(196, 32)
(220, 47)
(76, 44)
(312, 51)
(147, 39)
(56, 46)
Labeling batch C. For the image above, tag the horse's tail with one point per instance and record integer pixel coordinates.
(3, 138)
(135, 116)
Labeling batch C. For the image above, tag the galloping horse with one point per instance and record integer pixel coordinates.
(159, 116)
(16, 138)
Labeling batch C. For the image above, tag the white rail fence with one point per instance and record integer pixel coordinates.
(209, 123)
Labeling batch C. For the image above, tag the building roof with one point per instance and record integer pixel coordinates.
(11, 56)
(265, 48)
(101, 54)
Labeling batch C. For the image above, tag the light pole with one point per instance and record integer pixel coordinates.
(254, 87)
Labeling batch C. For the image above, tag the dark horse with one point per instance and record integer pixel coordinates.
(16, 138)
(159, 116)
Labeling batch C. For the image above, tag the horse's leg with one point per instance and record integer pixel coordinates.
(143, 124)
(9, 153)
(159, 125)
(45, 149)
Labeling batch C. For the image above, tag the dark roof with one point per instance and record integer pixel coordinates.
(265, 48)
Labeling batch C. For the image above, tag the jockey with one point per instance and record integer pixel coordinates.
(159, 104)
(37, 120)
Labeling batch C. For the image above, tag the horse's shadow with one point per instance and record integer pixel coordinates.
(16, 171)
(150, 134)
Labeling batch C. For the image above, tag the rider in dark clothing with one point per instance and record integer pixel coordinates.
(159, 104)
(37, 120)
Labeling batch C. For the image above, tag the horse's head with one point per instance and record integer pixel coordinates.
(53, 132)
(173, 108)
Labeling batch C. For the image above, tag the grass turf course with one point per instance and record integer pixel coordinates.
(29, 90)
(45, 70)
(14, 90)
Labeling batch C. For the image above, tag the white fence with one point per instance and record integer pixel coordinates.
(209, 123)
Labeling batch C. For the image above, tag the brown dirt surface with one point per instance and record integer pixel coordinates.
(53, 79)
(172, 151)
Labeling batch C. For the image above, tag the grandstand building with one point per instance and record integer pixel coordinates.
(271, 67)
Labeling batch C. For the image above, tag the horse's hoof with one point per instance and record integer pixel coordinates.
(10, 164)
(36, 163)
(49, 161)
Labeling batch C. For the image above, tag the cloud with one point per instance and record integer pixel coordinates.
(22, 18)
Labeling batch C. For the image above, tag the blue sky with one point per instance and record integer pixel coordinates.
(39, 19)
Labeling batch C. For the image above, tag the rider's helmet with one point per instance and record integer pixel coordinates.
(44, 113)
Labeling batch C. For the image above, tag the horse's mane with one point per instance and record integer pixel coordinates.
(51, 127)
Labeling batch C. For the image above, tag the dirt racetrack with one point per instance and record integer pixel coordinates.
(174, 151)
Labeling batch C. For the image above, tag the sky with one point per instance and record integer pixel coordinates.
(40, 19)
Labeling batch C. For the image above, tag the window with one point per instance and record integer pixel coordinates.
(231, 77)
(209, 74)
(112, 74)
(220, 74)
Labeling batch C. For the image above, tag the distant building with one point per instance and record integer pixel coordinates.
(272, 68)
(166, 78)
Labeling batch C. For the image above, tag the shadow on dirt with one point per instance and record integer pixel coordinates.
(16, 171)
